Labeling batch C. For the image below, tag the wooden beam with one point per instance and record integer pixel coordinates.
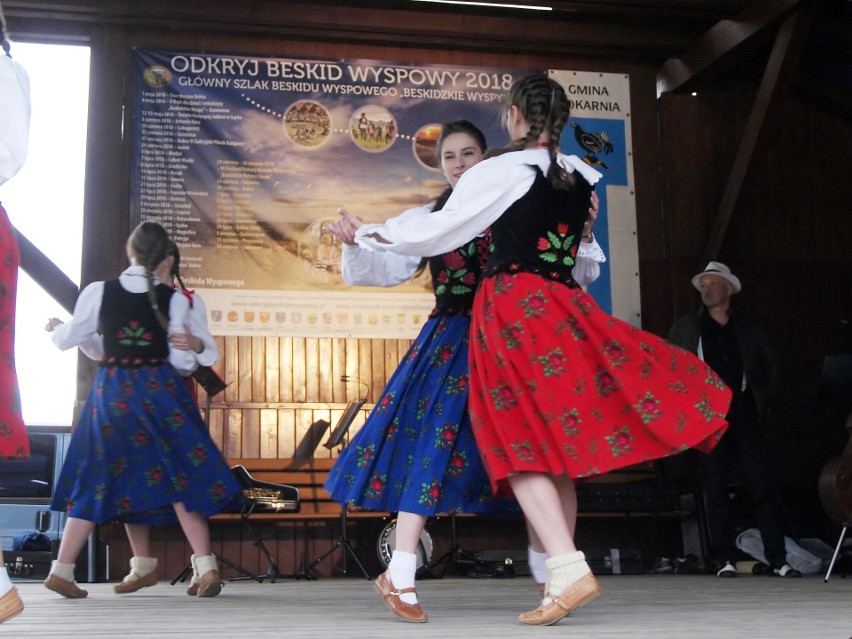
(712, 52)
(776, 80)
(46, 274)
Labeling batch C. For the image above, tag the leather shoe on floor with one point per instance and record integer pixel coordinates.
(10, 605)
(412, 613)
(132, 585)
(210, 584)
(577, 594)
(64, 587)
(192, 591)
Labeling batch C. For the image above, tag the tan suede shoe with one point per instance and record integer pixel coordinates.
(64, 587)
(412, 613)
(210, 584)
(577, 594)
(10, 605)
(132, 585)
(192, 591)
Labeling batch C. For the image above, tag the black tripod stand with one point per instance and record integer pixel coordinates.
(339, 437)
(455, 555)
(342, 543)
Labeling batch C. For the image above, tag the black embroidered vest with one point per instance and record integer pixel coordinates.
(456, 274)
(132, 335)
(541, 232)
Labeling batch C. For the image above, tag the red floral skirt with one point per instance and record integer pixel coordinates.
(560, 387)
(13, 434)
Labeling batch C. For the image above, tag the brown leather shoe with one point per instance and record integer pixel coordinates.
(10, 605)
(577, 594)
(132, 585)
(210, 584)
(64, 587)
(192, 591)
(412, 613)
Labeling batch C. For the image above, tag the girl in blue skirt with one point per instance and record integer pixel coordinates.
(416, 454)
(140, 453)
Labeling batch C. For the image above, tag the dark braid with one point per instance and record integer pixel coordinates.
(544, 105)
(174, 251)
(149, 245)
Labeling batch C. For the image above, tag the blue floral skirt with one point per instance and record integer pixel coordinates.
(416, 452)
(140, 446)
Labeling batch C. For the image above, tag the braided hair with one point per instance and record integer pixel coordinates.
(148, 244)
(174, 252)
(544, 105)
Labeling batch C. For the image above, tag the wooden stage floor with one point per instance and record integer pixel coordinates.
(658, 606)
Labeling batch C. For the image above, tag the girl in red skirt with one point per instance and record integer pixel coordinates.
(560, 389)
(14, 128)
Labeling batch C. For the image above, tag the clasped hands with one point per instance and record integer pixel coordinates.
(344, 229)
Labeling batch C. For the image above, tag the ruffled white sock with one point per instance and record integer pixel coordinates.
(564, 570)
(195, 576)
(66, 571)
(401, 568)
(141, 567)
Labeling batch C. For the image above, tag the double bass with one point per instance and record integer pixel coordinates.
(835, 483)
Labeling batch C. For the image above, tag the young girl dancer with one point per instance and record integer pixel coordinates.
(198, 340)
(561, 390)
(416, 454)
(141, 452)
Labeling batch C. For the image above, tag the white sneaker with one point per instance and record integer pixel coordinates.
(728, 570)
(786, 571)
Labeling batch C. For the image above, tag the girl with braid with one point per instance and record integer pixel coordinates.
(197, 339)
(416, 454)
(140, 453)
(559, 389)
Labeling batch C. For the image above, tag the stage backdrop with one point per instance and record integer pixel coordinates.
(244, 158)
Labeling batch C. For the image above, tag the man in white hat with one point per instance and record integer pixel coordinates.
(743, 355)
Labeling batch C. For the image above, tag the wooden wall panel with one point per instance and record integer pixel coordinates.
(285, 368)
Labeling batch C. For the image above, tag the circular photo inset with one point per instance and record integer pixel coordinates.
(307, 123)
(157, 76)
(424, 144)
(373, 128)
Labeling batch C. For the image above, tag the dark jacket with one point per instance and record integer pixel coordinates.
(760, 358)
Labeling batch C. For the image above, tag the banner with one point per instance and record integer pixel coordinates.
(244, 158)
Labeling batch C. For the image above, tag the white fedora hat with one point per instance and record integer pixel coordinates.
(720, 270)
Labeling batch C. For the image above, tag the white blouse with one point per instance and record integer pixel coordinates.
(81, 329)
(366, 267)
(481, 196)
(14, 117)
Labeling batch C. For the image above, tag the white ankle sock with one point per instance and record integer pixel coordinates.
(66, 571)
(536, 560)
(401, 568)
(564, 570)
(5, 582)
(205, 564)
(195, 576)
(141, 567)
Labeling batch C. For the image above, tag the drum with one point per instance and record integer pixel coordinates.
(387, 544)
